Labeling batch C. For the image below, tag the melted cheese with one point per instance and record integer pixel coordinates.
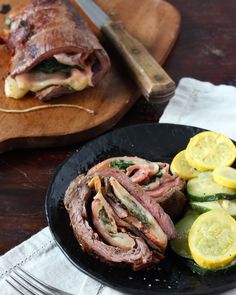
(36, 81)
(12, 90)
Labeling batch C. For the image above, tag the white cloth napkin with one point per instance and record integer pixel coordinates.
(196, 103)
(202, 104)
(41, 257)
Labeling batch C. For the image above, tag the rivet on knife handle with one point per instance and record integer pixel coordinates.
(153, 81)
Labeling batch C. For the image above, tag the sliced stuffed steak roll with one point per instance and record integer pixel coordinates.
(105, 221)
(53, 52)
(101, 234)
(110, 220)
(143, 198)
(154, 178)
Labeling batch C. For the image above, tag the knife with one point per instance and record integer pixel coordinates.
(154, 82)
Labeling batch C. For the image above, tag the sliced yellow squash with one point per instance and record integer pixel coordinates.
(212, 239)
(225, 176)
(208, 150)
(180, 166)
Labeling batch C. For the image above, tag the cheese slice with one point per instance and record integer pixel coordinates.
(35, 81)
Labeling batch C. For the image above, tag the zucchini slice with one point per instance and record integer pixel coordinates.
(195, 268)
(180, 244)
(227, 205)
(203, 188)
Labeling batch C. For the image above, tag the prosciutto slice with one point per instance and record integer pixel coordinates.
(54, 29)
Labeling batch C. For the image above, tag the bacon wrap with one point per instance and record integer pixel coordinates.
(49, 27)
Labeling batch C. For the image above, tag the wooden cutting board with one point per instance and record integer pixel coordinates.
(153, 22)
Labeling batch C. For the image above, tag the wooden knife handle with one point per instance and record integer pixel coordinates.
(153, 81)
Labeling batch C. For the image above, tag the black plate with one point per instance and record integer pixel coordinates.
(156, 142)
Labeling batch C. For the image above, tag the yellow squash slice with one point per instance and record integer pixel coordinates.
(225, 176)
(212, 239)
(208, 150)
(180, 166)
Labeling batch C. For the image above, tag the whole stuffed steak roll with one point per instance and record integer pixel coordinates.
(155, 179)
(53, 51)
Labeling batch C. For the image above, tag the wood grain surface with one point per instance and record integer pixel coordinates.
(205, 50)
(110, 99)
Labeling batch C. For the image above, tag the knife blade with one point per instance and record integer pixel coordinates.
(155, 84)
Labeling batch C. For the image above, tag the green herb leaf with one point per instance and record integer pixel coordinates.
(51, 65)
(120, 164)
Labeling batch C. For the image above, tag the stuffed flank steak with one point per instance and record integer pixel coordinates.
(154, 178)
(115, 220)
(53, 52)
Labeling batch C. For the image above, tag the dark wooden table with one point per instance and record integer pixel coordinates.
(205, 50)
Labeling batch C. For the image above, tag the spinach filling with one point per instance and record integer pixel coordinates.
(121, 164)
(137, 212)
(51, 65)
(159, 174)
(152, 180)
(132, 208)
(104, 217)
